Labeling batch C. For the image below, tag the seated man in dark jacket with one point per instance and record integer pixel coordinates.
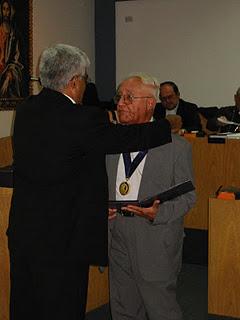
(226, 114)
(171, 104)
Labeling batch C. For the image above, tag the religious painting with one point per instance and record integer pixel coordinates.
(15, 52)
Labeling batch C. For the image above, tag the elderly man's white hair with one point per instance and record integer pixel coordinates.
(148, 80)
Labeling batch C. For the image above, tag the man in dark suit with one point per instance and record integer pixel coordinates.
(224, 115)
(145, 257)
(171, 104)
(58, 217)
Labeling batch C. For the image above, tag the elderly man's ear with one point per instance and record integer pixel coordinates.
(175, 122)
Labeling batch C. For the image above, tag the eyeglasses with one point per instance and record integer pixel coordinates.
(167, 98)
(127, 98)
(81, 77)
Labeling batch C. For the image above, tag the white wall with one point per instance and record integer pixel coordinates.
(54, 21)
(194, 43)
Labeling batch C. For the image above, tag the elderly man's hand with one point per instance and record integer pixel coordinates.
(175, 122)
(112, 214)
(222, 121)
(148, 213)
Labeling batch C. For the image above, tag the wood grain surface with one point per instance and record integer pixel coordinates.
(224, 258)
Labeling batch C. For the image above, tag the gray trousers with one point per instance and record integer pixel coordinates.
(132, 296)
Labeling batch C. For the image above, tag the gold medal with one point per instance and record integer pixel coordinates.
(124, 188)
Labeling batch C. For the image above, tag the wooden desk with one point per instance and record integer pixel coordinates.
(214, 165)
(224, 258)
(5, 151)
(98, 282)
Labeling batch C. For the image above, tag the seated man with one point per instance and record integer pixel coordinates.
(171, 104)
(225, 114)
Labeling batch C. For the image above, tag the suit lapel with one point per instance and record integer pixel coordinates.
(149, 171)
(180, 108)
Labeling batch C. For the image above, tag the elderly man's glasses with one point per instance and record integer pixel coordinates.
(127, 98)
(167, 98)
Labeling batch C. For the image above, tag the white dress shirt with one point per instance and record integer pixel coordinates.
(134, 181)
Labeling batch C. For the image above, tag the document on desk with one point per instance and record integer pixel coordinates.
(169, 194)
(233, 135)
(224, 120)
(220, 135)
(225, 135)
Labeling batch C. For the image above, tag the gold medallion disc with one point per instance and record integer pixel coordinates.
(124, 188)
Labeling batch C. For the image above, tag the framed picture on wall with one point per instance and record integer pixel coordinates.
(15, 52)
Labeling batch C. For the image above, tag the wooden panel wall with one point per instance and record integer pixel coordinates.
(98, 293)
(224, 258)
(214, 165)
(5, 151)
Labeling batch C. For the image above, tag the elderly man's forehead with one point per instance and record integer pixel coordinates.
(166, 87)
(131, 83)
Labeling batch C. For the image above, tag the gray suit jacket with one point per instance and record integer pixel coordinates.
(159, 244)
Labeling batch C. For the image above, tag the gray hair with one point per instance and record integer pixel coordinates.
(59, 64)
(148, 80)
(238, 92)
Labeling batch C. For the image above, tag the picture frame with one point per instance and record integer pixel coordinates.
(15, 52)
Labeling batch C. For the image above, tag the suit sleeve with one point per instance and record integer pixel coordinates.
(213, 124)
(192, 120)
(116, 138)
(196, 121)
(178, 207)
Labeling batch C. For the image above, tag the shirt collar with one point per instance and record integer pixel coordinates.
(70, 98)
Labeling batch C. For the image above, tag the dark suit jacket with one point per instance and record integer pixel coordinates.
(231, 113)
(187, 110)
(59, 204)
(90, 97)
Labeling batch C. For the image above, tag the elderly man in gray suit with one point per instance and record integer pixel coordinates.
(145, 244)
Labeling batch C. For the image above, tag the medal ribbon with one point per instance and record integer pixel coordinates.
(131, 166)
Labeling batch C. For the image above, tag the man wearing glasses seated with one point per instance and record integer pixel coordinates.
(185, 113)
(226, 119)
